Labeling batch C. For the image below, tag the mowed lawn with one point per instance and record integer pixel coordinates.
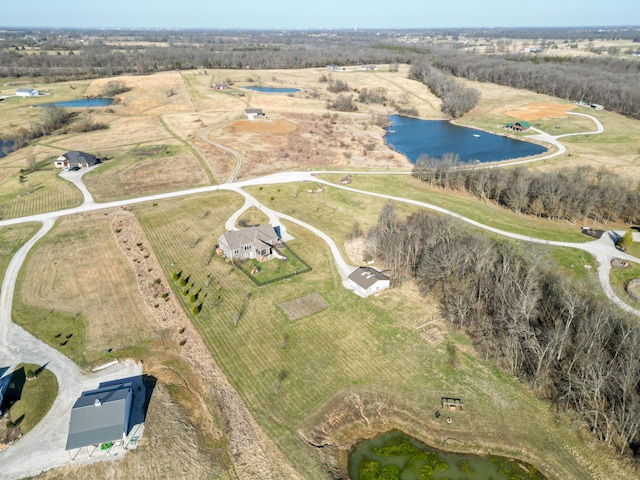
(39, 192)
(86, 300)
(11, 239)
(354, 345)
(485, 212)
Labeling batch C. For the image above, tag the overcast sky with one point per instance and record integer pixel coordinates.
(290, 14)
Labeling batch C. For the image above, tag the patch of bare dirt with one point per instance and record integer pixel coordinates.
(304, 306)
(538, 110)
(253, 454)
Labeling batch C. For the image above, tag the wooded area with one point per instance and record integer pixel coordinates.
(571, 346)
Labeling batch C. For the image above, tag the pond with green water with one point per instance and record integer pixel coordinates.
(396, 456)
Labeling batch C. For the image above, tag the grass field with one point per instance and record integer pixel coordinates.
(36, 397)
(145, 171)
(619, 277)
(11, 239)
(86, 300)
(353, 345)
(42, 191)
(465, 204)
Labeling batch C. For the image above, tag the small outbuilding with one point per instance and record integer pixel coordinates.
(366, 281)
(449, 403)
(27, 92)
(521, 126)
(76, 159)
(100, 416)
(220, 86)
(253, 113)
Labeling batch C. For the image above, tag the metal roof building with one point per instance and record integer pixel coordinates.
(100, 416)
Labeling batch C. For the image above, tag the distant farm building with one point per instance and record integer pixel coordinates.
(366, 281)
(253, 113)
(100, 416)
(251, 242)
(220, 86)
(27, 92)
(368, 67)
(519, 126)
(76, 159)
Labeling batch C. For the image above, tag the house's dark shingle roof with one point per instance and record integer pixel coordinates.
(76, 157)
(366, 276)
(99, 416)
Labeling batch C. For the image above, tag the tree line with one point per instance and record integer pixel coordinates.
(456, 98)
(576, 194)
(570, 345)
(611, 82)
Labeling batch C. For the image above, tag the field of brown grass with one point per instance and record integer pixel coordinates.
(86, 275)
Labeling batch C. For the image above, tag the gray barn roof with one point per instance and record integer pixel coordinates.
(99, 416)
(366, 277)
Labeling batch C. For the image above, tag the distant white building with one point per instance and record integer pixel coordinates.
(253, 113)
(27, 92)
(367, 281)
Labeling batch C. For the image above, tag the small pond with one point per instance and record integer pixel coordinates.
(413, 137)
(396, 456)
(6, 147)
(82, 102)
(272, 89)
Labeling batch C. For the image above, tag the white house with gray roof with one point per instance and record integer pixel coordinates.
(100, 416)
(76, 159)
(27, 92)
(251, 242)
(366, 281)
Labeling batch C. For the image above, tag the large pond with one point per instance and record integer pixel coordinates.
(396, 456)
(6, 147)
(414, 137)
(83, 102)
(272, 89)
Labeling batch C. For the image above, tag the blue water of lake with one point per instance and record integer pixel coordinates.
(6, 147)
(82, 102)
(413, 137)
(272, 89)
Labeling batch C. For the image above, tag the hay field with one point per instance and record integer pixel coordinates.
(11, 239)
(87, 280)
(354, 345)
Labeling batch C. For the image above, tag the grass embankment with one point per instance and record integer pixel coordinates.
(353, 345)
(11, 239)
(38, 192)
(86, 301)
(467, 205)
(619, 278)
(37, 394)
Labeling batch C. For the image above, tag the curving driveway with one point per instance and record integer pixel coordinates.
(31, 454)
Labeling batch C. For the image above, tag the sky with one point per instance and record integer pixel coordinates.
(301, 14)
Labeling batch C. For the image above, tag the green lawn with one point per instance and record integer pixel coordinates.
(487, 213)
(36, 398)
(354, 345)
(619, 277)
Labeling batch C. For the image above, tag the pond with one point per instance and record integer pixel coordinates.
(6, 147)
(82, 102)
(413, 137)
(272, 89)
(396, 456)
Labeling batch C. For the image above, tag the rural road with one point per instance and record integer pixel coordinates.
(30, 455)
